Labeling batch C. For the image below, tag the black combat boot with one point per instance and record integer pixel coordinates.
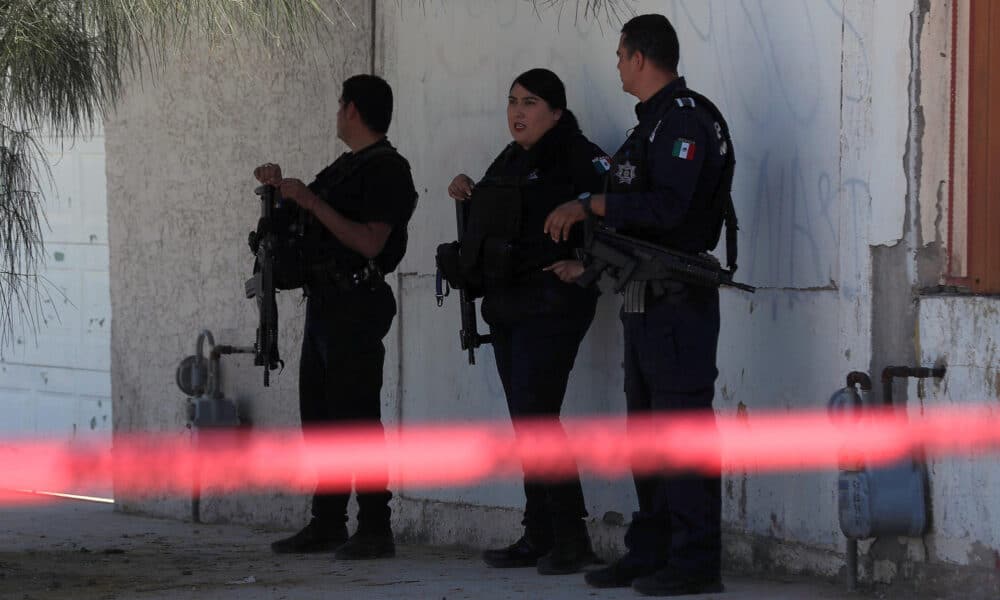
(368, 545)
(525, 552)
(620, 573)
(571, 551)
(674, 582)
(314, 537)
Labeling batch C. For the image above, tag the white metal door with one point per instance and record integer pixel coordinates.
(57, 384)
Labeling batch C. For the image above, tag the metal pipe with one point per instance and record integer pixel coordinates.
(852, 564)
(213, 390)
(890, 373)
(861, 379)
(199, 348)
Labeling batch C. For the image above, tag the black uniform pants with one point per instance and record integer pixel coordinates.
(340, 382)
(670, 367)
(534, 356)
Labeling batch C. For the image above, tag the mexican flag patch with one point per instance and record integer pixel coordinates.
(602, 164)
(684, 149)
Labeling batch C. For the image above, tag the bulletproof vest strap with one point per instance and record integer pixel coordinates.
(362, 159)
(723, 197)
(724, 191)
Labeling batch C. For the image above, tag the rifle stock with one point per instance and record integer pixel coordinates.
(469, 335)
(629, 259)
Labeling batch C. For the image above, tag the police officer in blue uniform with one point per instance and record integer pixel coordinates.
(667, 185)
(537, 320)
(359, 206)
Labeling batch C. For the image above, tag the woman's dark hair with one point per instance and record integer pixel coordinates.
(372, 96)
(546, 85)
(655, 37)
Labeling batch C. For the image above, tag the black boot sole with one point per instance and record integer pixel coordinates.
(510, 564)
(567, 568)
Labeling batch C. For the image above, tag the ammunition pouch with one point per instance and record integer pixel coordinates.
(450, 266)
(289, 273)
(484, 257)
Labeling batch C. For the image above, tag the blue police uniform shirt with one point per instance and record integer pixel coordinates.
(684, 149)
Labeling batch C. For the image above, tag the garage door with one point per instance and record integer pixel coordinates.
(56, 382)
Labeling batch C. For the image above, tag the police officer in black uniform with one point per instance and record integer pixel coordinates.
(360, 206)
(536, 319)
(664, 187)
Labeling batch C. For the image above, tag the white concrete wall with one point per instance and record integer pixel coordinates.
(833, 166)
(180, 192)
(959, 331)
(816, 96)
(962, 333)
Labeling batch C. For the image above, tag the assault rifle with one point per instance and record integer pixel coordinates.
(469, 335)
(452, 274)
(629, 259)
(263, 244)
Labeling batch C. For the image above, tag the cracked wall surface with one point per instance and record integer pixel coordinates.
(180, 202)
(816, 96)
(835, 110)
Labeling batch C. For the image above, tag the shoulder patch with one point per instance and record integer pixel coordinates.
(684, 149)
(602, 164)
(685, 102)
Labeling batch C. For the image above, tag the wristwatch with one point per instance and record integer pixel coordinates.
(584, 199)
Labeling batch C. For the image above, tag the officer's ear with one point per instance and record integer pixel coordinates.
(639, 58)
(557, 113)
(351, 111)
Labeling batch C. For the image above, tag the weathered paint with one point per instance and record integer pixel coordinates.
(55, 379)
(832, 108)
(181, 202)
(813, 153)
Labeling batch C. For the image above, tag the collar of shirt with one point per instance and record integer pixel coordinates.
(652, 106)
(384, 142)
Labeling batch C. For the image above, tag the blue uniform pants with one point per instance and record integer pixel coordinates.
(340, 382)
(534, 357)
(670, 353)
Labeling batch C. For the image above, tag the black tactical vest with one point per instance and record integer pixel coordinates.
(711, 207)
(324, 248)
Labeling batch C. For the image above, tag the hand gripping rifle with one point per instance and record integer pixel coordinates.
(629, 259)
(261, 286)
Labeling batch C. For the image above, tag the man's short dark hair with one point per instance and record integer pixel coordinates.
(372, 96)
(655, 37)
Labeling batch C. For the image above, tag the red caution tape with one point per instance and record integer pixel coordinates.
(448, 455)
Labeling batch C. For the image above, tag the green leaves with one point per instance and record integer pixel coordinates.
(62, 64)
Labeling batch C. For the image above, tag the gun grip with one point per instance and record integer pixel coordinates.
(625, 276)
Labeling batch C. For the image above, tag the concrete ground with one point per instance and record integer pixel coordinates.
(69, 549)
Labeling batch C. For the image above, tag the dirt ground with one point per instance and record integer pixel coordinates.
(83, 551)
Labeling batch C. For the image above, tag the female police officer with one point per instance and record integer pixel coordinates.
(536, 320)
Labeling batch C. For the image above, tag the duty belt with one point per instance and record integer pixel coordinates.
(328, 276)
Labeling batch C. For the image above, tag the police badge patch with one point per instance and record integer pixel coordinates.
(626, 172)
